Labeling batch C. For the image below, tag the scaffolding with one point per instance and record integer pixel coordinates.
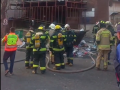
(62, 12)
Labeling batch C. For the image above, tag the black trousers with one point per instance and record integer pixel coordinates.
(59, 60)
(69, 51)
(39, 59)
(29, 57)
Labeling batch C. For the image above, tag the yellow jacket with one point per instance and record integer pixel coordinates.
(104, 38)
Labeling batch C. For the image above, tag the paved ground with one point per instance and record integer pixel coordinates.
(89, 80)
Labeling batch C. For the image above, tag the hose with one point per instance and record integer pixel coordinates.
(58, 71)
(75, 71)
(15, 61)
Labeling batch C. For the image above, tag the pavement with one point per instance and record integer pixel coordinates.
(23, 79)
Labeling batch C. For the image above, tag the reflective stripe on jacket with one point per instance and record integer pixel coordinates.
(53, 41)
(45, 39)
(10, 41)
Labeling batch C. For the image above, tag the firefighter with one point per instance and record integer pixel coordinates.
(70, 39)
(29, 48)
(111, 29)
(57, 47)
(103, 40)
(52, 29)
(95, 30)
(39, 40)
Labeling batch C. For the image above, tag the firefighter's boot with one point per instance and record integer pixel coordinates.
(27, 64)
(31, 64)
(71, 62)
(98, 68)
(34, 71)
(57, 68)
(68, 62)
(62, 66)
(43, 71)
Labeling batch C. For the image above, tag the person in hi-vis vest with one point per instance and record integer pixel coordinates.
(10, 41)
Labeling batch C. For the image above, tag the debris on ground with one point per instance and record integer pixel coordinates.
(84, 49)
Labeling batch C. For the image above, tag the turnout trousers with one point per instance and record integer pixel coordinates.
(103, 53)
(59, 60)
(29, 57)
(69, 51)
(39, 60)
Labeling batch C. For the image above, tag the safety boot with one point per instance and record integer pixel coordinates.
(34, 71)
(63, 66)
(70, 64)
(105, 69)
(27, 67)
(56, 68)
(43, 71)
(67, 63)
(98, 69)
(31, 67)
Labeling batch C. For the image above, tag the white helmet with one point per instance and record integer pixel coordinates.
(97, 23)
(52, 26)
(67, 26)
(108, 22)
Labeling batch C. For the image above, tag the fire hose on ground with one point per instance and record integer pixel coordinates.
(59, 71)
(74, 71)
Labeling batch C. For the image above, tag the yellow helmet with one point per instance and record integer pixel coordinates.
(40, 28)
(57, 27)
(102, 21)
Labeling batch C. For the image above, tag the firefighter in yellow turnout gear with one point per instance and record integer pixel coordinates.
(39, 41)
(103, 39)
(29, 49)
(57, 47)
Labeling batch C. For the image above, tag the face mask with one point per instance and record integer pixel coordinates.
(118, 35)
